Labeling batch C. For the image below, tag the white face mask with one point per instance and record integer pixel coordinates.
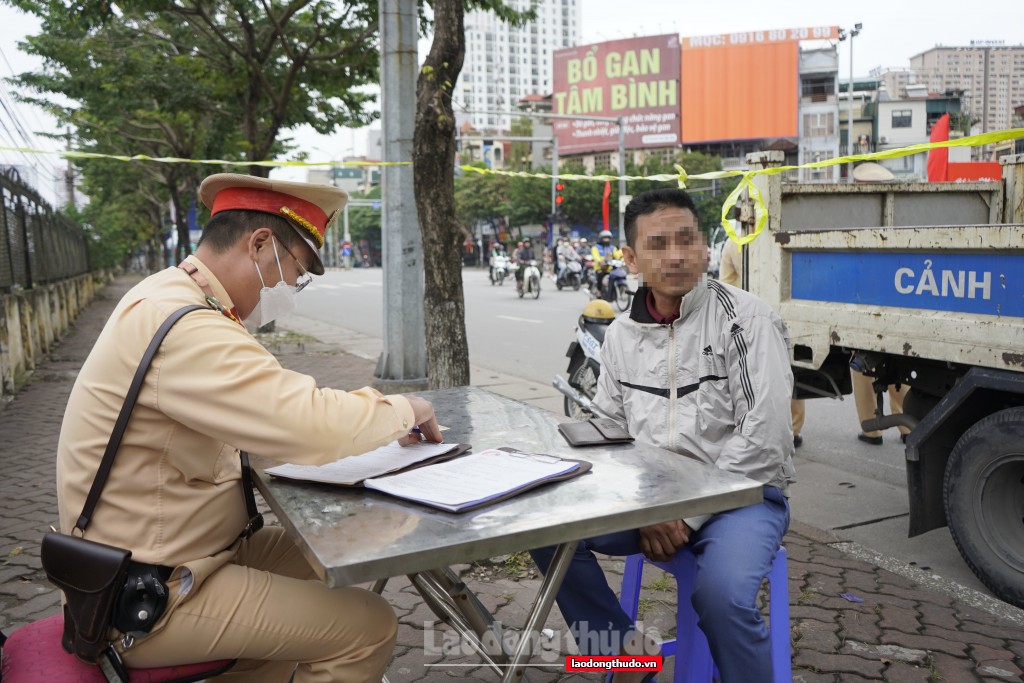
(275, 301)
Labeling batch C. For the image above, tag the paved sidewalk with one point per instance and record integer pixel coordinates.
(903, 630)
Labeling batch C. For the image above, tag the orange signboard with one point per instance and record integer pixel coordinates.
(749, 90)
(779, 35)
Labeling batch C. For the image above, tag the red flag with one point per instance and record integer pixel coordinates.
(938, 159)
(604, 202)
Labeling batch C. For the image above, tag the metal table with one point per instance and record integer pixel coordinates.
(353, 536)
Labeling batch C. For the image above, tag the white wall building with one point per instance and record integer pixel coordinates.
(504, 64)
(819, 114)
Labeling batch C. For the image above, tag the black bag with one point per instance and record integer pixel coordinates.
(92, 575)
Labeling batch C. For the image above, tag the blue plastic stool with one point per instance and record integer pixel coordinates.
(690, 648)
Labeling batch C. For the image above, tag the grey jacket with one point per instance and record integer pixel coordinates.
(716, 383)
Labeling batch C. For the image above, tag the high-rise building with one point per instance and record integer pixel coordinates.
(504, 64)
(895, 78)
(990, 74)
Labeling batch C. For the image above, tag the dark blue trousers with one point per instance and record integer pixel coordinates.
(734, 552)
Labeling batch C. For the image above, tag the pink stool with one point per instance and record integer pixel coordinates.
(694, 663)
(33, 654)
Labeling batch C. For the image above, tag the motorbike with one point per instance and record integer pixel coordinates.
(589, 276)
(615, 288)
(531, 281)
(584, 362)
(499, 270)
(572, 276)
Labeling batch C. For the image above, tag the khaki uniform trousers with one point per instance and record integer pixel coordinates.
(864, 397)
(799, 412)
(268, 610)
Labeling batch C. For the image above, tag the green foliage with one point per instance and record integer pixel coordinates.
(193, 79)
(527, 201)
(364, 221)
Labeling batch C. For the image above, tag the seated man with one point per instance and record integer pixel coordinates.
(702, 369)
(173, 494)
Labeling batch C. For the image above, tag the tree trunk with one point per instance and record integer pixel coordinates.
(434, 183)
(184, 246)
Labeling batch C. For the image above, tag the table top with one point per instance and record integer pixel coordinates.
(354, 535)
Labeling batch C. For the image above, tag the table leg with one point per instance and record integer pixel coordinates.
(541, 608)
(453, 602)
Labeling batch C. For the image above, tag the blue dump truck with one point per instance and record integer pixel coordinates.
(922, 284)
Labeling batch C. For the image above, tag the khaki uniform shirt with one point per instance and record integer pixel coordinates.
(731, 265)
(173, 496)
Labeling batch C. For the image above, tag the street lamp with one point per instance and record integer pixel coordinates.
(843, 35)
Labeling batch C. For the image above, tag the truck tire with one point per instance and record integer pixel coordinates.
(983, 494)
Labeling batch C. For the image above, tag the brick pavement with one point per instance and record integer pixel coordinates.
(902, 631)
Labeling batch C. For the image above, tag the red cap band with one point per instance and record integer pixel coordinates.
(268, 201)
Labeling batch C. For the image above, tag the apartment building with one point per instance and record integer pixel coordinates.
(504, 64)
(990, 73)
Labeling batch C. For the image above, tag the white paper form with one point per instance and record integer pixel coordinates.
(352, 470)
(471, 479)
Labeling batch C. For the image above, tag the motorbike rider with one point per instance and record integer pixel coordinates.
(497, 250)
(583, 249)
(564, 253)
(602, 252)
(524, 254)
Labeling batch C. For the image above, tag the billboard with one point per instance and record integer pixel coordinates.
(741, 86)
(635, 78)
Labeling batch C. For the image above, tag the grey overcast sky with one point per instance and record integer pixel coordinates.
(893, 31)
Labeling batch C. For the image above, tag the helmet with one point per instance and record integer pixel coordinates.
(583, 240)
(599, 311)
(605, 233)
(527, 241)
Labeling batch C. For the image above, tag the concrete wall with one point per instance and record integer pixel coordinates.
(32, 321)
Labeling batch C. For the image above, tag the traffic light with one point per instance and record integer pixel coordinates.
(558, 193)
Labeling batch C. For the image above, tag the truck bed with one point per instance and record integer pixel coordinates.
(924, 270)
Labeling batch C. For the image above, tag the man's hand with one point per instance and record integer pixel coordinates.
(659, 542)
(423, 416)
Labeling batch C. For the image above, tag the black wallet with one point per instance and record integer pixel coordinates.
(596, 431)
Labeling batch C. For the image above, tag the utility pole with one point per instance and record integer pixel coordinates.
(843, 35)
(403, 362)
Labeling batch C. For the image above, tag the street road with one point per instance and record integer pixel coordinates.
(856, 490)
(523, 337)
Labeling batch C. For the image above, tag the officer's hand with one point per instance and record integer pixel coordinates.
(659, 542)
(423, 416)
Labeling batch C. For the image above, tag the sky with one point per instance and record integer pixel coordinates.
(892, 32)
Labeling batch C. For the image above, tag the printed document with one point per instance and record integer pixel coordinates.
(473, 479)
(351, 471)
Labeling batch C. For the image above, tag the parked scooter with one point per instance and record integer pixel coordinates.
(572, 276)
(584, 361)
(499, 269)
(530, 283)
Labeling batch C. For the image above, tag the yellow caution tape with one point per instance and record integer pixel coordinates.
(681, 176)
(761, 210)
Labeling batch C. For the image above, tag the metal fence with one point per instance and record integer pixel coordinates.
(37, 245)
